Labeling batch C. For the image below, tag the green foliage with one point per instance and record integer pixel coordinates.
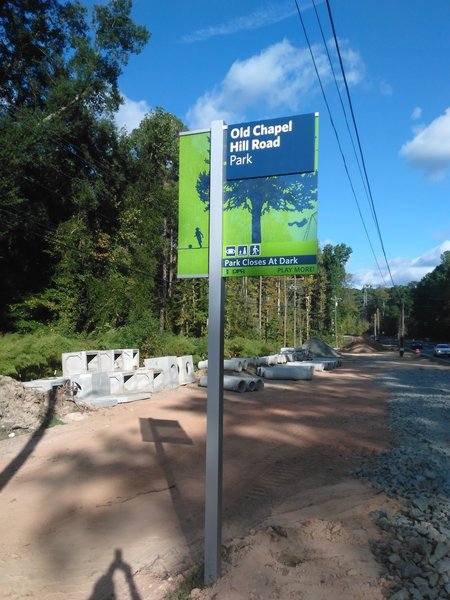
(189, 305)
(168, 344)
(36, 355)
(431, 302)
(245, 347)
(334, 259)
(61, 159)
(135, 334)
(89, 215)
(54, 422)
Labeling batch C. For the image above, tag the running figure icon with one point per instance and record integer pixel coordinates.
(199, 236)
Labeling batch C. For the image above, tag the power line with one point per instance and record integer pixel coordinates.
(337, 138)
(359, 141)
(339, 95)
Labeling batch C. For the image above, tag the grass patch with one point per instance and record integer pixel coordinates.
(54, 422)
(192, 580)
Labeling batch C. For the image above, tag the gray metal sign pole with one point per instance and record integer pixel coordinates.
(214, 426)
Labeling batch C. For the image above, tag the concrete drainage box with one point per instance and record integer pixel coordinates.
(168, 368)
(127, 359)
(90, 384)
(186, 373)
(121, 382)
(99, 361)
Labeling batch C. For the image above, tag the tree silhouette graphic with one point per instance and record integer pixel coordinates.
(260, 196)
(287, 193)
(202, 187)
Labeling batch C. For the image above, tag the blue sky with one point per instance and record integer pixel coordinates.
(249, 60)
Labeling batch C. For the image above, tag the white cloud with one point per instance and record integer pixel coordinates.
(354, 69)
(385, 88)
(267, 15)
(432, 258)
(279, 77)
(429, 150)
(131, 113)
(403, 269)
(416, 113)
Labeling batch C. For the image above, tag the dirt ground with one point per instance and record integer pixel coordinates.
(110, 505)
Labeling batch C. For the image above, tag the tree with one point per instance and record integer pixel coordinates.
(60, 157)
(431, 302)
(153, 197)
(334, 259)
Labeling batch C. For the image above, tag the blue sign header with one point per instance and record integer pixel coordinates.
(274, 147)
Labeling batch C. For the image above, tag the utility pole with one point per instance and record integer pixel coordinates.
(295, 312)
(376, 323)
(402, 330)
(308, 307)
(336, 301)
(293, 287)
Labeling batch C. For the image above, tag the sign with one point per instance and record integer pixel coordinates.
(274, 147)
(193, 206)
(269, 199)
(270, 226)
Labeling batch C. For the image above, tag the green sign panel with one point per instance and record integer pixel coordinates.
(269, 223)
(270, 226)
(193, 207)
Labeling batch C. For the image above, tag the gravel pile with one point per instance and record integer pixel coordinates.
(415, 553)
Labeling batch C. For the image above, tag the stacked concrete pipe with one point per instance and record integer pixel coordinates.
(236, 383)
(286, 372)
(230, 364)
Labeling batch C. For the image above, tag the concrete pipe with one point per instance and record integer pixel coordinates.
(286, 372)
(255, 384)
(329, 363)
(233, 364)
(251, 385)
(259, 384)
(252, 361)
(230, 382)
(267, 361)
(230, 364)
(286, 350)
(317, 366)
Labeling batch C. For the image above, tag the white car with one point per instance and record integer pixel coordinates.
(442, 350)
